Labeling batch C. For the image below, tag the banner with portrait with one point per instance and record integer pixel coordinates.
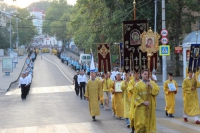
(194, 60)
(104, 60)
(134, 58)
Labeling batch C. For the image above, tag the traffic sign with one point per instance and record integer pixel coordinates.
(164, 50)
(178, 50)
(164, 32)
(164, 40)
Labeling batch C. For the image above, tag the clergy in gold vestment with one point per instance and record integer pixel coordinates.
(117, 104)
(126, 101)
(145, 105)
(190, 97)
(170, 95)
(131, 88)
(93, 94)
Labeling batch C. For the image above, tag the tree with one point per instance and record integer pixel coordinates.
(180, 17)
(26, 30)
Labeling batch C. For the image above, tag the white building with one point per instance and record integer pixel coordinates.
(38, 16)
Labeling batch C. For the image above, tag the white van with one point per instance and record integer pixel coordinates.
(85, 58)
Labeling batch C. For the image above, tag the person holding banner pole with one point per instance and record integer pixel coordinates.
(170, 88)
(145, 122)
(190, 97)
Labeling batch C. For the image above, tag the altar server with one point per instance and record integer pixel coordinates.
(93, 92)
(106, 91)
(23, 82)
(132, 90)
(126, 101)
(145, 105)
(190, 97)
(117, 104)
(170, 88)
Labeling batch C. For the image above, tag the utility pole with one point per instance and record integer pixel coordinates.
(164, 67)
(17, 42)
(10, 34)
(155, 16)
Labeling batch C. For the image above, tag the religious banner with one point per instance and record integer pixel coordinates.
(194, 60)
(134, 58)
(104, 61)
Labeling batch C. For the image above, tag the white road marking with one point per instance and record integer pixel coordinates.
(59, 69)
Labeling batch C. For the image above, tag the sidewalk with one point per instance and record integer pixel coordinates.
(6, 81)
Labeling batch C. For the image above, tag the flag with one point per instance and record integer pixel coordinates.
(92, 67)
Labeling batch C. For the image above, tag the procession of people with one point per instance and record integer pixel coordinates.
(129, 96)
(27, 75)
(133, 97)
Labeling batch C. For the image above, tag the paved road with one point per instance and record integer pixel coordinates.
(53, 107)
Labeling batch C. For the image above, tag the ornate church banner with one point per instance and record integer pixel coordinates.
(194, 60)
(134, 58)
(104, 61)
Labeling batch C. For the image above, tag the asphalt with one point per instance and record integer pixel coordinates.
(53, 107)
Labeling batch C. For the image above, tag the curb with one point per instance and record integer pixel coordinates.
(16, 79)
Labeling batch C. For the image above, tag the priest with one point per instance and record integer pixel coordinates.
(93, 92)
(145, 104)
(126, 101)
(190, 97)
(131, 88)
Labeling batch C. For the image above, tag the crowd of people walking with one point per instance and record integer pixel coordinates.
(134, 97)
(27, 75)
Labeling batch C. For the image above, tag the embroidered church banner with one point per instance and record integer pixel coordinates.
(134, 58)
(194, 60)
(104, 61)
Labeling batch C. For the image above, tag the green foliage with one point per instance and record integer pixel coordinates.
(97, 21)
(57, 17)
(179, 19)
(26, 30)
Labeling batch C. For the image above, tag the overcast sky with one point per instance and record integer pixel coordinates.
(25, 3)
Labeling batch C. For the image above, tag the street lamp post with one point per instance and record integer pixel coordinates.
(10, 34)
(17, 42)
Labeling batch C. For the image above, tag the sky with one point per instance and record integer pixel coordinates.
(25, 3)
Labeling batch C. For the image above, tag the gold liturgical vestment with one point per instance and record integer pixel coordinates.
(94, 92)
(131, 88)
(170, 96)
(190, 97)
(117, 103)
(126, 101)
(142, 123)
